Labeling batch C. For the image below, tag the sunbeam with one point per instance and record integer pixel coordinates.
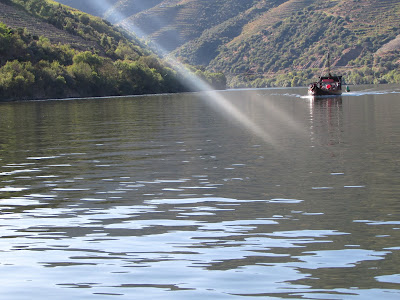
(112, 10)
(214, 99)
(217, 101)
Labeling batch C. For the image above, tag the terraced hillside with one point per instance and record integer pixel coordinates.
(17, 18)
(175, 22)
(114, 11)
(254, 40)
(202, 50)
(282, 10)
(370, 16)
(283, 45)
(123, 9)
(155, 25)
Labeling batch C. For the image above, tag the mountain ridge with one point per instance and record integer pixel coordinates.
(255, 40)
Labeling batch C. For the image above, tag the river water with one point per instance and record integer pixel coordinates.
(243, 194)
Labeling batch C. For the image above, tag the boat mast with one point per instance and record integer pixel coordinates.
(329, 64)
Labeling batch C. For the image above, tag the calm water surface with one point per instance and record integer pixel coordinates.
(236, 195)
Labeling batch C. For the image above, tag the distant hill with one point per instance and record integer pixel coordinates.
(294, 37)
(270, 42)
(174, 23)
(112, 10)
(93, 7)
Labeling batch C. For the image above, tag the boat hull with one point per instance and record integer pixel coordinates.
(316, 91)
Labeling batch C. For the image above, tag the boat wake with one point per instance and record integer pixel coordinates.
(347, 94)
(371, 92)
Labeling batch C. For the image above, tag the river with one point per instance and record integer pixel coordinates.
(239, 194)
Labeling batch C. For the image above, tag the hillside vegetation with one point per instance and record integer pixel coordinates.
(50, 51)
(272, 42)
(359, 35)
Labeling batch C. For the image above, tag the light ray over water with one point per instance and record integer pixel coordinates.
(213, 98)
(218, 102)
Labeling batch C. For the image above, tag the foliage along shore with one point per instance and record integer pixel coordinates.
(112, 64)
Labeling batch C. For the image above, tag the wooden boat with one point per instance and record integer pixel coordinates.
(326, 85)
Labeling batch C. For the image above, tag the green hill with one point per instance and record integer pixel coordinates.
(286, 45)
(292, 49)
(48, 50)
(271, 42)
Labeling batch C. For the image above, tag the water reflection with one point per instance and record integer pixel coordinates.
(160, 197)
(326, 112)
